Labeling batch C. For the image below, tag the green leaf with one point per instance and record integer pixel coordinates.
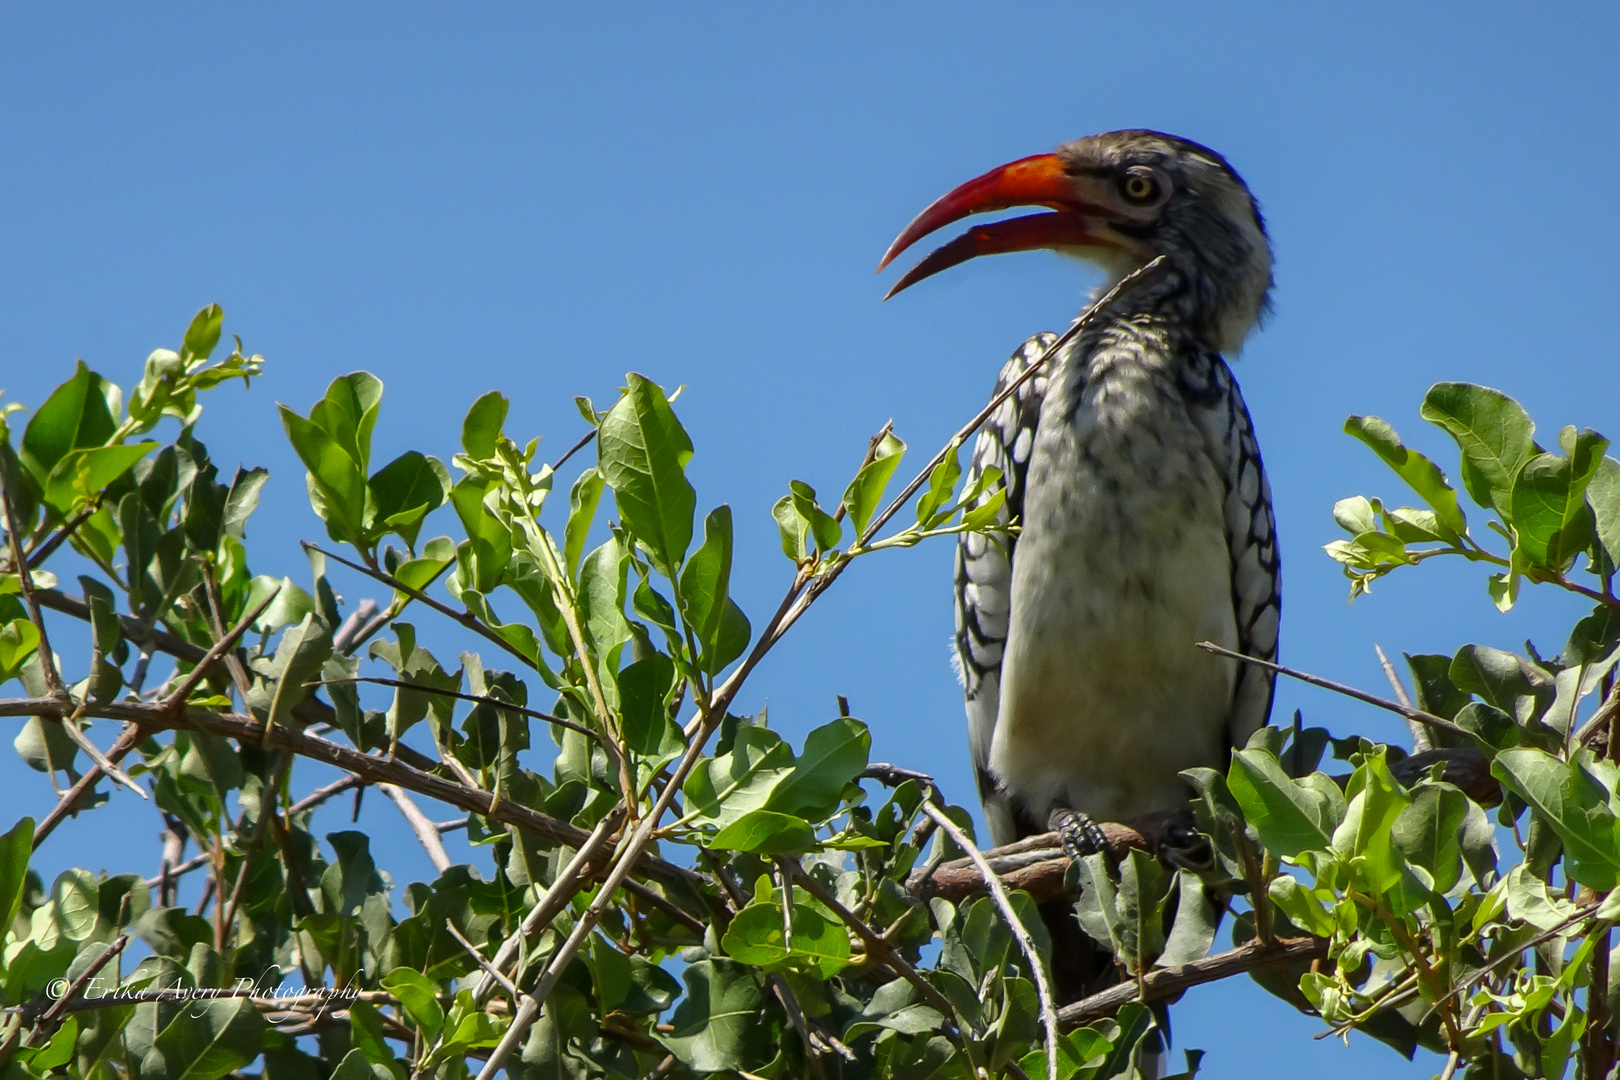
(717, 1024)
(481, 430)
(202, 335)
(337, 483)
(83, 474)
(644, 687)
(488, 547)
(348, 412)
(706, 580)
(303, 649)
(642, 454)
(1603, 496)
(941, 482)
(1492, 430)
(1423, 475)
(81, 413)
(420, 572)
(834, 755)
(582, 503)
(766, 832)
(406, 490)
(756, 937)
(824, 530)
(419, 995)
(15, 848)
(1291, 816)
(1376, 801)
(1197, 917)
(1573, 804)
(726, 786)
(1552, 522)
(794, 527)
(865, 492)
(206, 1041)
(1500, 679)
(1429, 833)
(19, 641)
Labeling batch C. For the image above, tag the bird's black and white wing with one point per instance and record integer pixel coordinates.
(1251, 535)
(984, 572)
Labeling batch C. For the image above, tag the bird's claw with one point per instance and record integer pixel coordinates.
(1077, 832)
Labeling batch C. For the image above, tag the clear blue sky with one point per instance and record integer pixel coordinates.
(467, 198)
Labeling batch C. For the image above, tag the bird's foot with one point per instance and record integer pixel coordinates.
(1077, 832)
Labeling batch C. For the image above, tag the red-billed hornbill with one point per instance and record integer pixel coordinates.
(1131, 468)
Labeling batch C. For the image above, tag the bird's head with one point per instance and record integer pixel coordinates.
(1120, 199)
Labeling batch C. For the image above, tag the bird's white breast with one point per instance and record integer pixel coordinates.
(1121, 568)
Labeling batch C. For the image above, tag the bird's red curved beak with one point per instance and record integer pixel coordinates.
(1032, 181)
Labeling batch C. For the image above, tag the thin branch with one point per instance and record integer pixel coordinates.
(1407, 711)
(478, 958)
(68, 804)
(1003, 901)
(107, 767)
(1420, 736)
(25, 583)
(320, 795)
(427, 833)
(1167, 982)
(62, 1004)
(69, 527)
(477, 699)
(465, 618)
(876, 946)
(584, 441)
(177, 699)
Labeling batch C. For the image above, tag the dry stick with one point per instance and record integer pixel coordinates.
(25, 583)
(427, 833)
(1349, 691)
(465, 618)
(60, 1005)
(1420, 735)
(68, 804)
(1025, 942)
(1156, 985)
(216, 608)
(584, 441)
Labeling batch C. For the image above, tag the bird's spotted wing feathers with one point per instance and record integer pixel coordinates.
(984, 569)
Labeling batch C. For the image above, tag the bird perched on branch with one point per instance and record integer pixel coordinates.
(1144, 516)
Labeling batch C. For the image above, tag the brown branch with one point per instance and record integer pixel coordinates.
(213, 655)
(1167, 982)
(1438, 722)
(478, 699)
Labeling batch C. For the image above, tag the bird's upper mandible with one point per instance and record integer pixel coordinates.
(1119, 199)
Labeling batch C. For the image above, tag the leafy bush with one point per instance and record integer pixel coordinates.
(685, 892)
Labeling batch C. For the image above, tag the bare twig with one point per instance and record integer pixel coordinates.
(465, 618)
(48, 1018)
(1003, 901)
(1437, 722)
(427, 833)
(584, 441)
(489, 969)
(106, 766)
(1420, 735)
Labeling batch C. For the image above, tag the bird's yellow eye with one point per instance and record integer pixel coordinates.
(1139, 187)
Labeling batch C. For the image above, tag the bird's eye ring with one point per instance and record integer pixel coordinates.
(1139, 187)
